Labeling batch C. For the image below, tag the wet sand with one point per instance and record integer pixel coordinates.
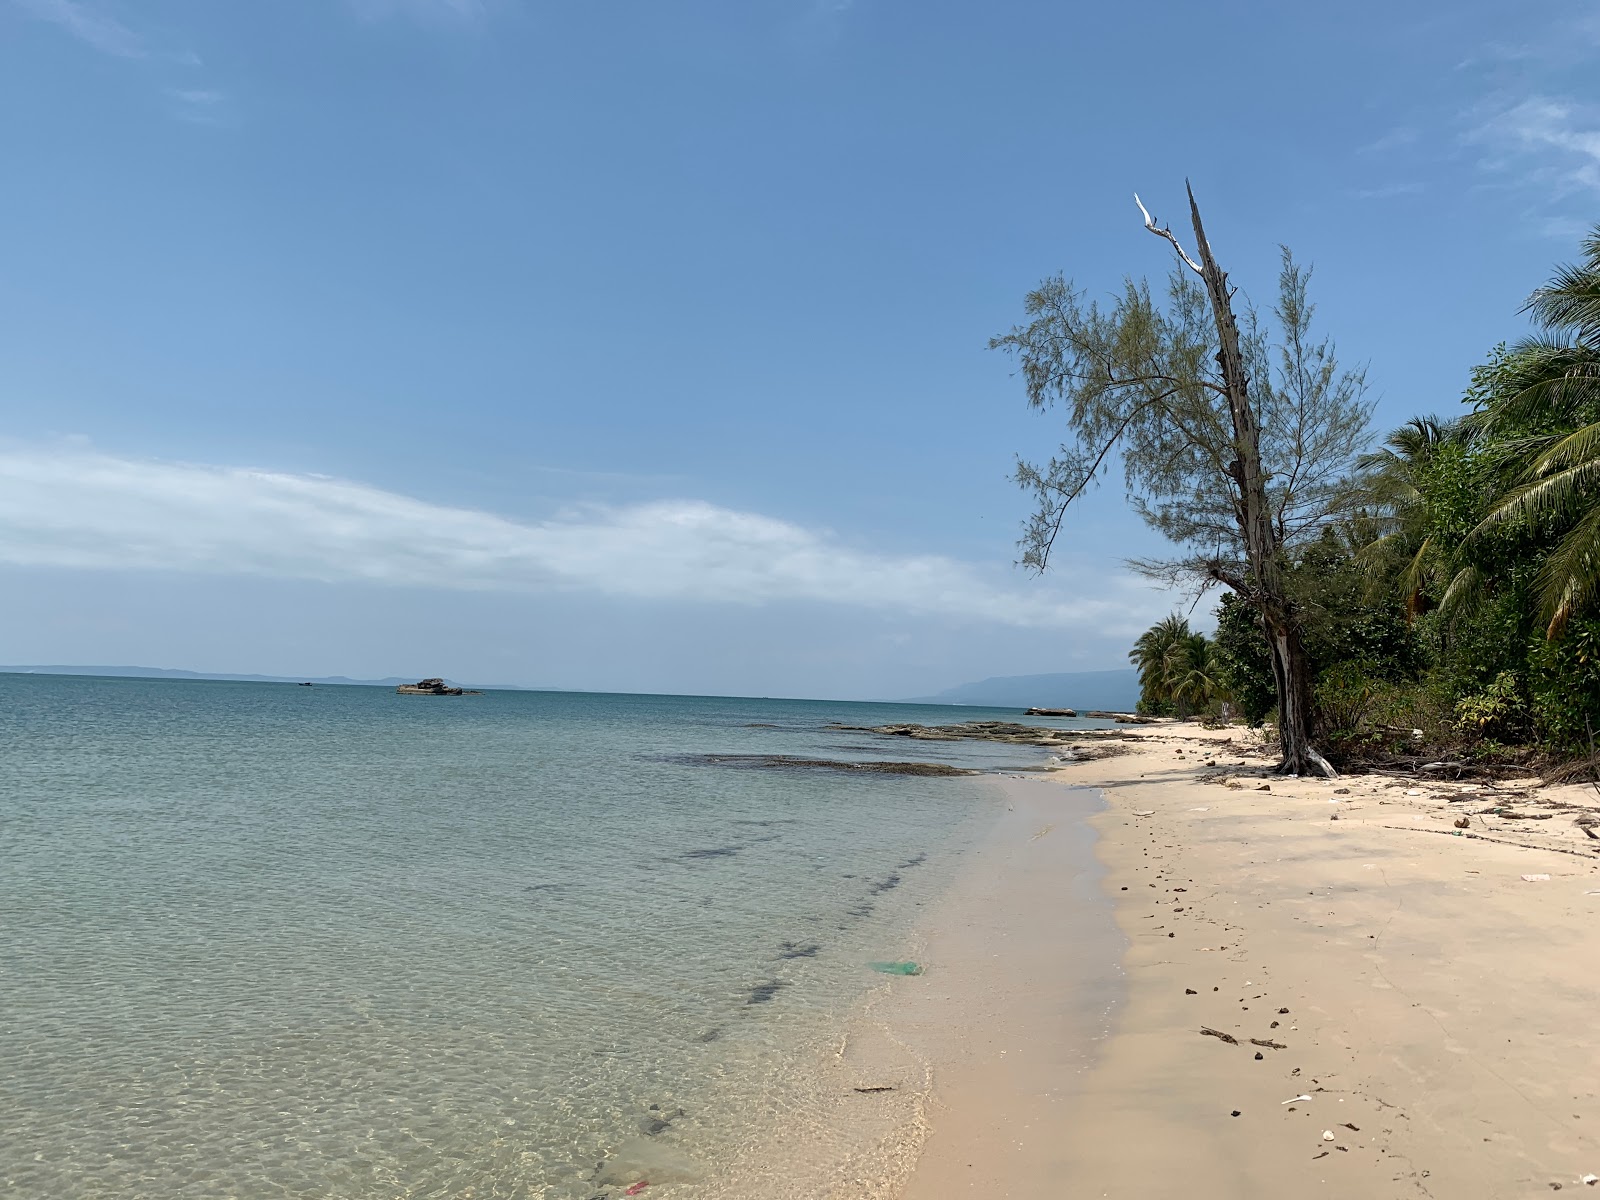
(1437, 1008)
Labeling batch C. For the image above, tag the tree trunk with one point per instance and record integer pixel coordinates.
(1268, 594)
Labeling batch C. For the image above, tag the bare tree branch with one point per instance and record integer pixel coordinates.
(1163, 231)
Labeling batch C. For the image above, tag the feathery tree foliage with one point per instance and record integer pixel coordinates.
(1235, 442)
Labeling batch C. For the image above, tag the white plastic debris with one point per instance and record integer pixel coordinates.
(1294, 1099)
(1413, 791)
(1591, 1180)
(1541, 877)
(1146, 812)
(1327, 1135)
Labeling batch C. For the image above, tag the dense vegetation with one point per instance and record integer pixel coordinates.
(1459, 592)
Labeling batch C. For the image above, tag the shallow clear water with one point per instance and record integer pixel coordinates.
(260, 940)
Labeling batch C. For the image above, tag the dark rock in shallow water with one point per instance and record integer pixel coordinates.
(780, 762)
(793, 950)
(1050, 712)
(762, 993)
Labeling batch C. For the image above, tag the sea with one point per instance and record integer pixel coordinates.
(261, 940)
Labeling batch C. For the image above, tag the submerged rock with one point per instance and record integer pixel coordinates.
(791, 762)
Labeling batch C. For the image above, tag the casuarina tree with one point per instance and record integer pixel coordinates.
(1235, 444)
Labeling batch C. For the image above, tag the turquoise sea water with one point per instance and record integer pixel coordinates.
(261, 940)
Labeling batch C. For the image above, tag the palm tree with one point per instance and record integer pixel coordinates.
(1406, 550)
(1193, 677)
(1156, 655)
(1550, 426)
(1178, 668)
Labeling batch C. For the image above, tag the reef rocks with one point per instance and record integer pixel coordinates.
(791, 762)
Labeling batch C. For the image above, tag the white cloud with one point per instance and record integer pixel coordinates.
(76, 508)
(104, 33)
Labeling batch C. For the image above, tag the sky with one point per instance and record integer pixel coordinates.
(642, 346)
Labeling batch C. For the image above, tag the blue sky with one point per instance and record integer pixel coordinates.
(641, 346)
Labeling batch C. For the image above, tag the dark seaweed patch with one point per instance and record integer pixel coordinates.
(794, 950)
(860, 910)
(762, 993)
(891, 880)
(718, 852)
(544, 887)
(709, 1035)
(793, 763)
(914, 862)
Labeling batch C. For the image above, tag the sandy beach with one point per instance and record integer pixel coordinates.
(1330, 989)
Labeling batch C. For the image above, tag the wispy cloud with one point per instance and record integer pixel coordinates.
(1387, 191)
(77, 508)
(458, 10)
(1397, 138)
(103, 32)
(1552, 143)
(199, 106)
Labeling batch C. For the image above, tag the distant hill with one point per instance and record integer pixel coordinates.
(170, 673)
(1115, 691)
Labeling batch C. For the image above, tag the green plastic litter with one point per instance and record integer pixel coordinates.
(896, 968)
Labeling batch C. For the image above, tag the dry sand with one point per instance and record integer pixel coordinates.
(1438, 1009)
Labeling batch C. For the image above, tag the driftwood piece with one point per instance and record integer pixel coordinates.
(1268, 1043)
(1217, 1033)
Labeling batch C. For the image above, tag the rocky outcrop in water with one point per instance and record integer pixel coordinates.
(791, 762)
(1076, 743)
(433, 687)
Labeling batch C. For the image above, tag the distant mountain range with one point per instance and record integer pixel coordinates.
(1114, 691)
(169, 673)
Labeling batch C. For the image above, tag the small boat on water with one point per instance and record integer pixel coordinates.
(433, 687)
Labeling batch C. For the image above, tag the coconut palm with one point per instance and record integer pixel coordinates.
(1406, 549)
(1550, 428)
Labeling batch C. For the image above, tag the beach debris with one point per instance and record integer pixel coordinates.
(1259, 1056)
(1537, 877)
(1234, 1113)
(1263, 787)
(1202, 808)
(1413, 791)
(884, 1087)
(636, 1188)
(1042, 832)
(1324, 1154)
(1144, 812)
(1463, 822)
(1352, 1128)
(1591, 1180)
(1190, 992)
(1327, 1135)
(1268, 1043)
(1294, 1100)
(896, 968)
(1207, 1031)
